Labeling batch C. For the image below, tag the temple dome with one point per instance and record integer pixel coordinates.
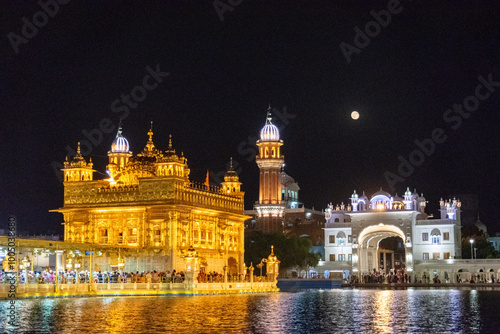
(381, 192)
(270, 131)
(120, 144)
(481, 227)
(286, 179)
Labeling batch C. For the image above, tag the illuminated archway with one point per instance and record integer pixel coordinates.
(369, 239)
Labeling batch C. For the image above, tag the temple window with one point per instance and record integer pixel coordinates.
(103, 236)
(120, 237)
(132, 235)
(157, 234)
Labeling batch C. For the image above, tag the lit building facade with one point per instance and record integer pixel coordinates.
(150, 213)
(278, 207)
(354, 233)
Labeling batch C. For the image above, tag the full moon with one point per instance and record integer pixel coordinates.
(355, 115)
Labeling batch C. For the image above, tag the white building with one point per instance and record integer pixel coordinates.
(355, 233)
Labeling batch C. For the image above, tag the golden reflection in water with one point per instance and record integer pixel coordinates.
(382, 321)
(271, 313)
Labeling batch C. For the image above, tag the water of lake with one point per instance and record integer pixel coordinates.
(309, 311)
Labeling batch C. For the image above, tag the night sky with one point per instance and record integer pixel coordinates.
(224, 74)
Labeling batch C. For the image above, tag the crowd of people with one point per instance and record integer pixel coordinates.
(401, 277)
(74, 276)
(214, 277)
(49, 276)
(394, 276)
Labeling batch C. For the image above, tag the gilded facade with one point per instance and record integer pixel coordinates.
(150, 212)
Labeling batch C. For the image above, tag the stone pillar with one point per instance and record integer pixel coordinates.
(59, 260)
(250, 270)
(189, 280)
(385, 262)
(392, 260)
(59, 266)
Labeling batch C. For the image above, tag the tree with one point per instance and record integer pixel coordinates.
(485, 249)
(292, 251)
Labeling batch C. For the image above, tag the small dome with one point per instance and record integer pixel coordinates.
(270, 131)
(120, 144)
(398, 198)
(286, 179)
(381, 192)
(481, 227)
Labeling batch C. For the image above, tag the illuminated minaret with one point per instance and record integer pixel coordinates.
(270, 208)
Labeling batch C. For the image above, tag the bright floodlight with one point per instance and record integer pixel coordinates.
(355, 115)
(471, 241)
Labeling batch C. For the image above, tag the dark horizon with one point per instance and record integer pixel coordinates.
(222, 75)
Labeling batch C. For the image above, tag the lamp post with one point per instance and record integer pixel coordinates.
(77, 272)
(26, 265)
(471, 253)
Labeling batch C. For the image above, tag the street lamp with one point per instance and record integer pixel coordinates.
(471, 253)
(25, 265)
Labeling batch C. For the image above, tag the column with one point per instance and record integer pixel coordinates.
(59, 265)
(392, 260)
(385, 262)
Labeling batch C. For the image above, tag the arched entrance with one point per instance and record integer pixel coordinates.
(232, 266)
(391, 255)
(368, 251)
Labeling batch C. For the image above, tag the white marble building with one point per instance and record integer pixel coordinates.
(353, 235)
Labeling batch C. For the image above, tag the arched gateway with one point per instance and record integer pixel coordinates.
(367, 255)
(385, 232)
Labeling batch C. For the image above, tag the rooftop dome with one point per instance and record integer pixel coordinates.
(120, 144)
(270, 131)
(481, 227)
(381, 192)
(286, 179)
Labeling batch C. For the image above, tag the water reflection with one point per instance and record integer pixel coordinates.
(382, 310)
(318, 311)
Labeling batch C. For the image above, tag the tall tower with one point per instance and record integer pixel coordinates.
(270, 208)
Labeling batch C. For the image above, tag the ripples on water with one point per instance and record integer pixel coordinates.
(311, 311)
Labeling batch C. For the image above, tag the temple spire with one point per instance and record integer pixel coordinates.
(150, 133)
(268, 115)
(150, 146)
